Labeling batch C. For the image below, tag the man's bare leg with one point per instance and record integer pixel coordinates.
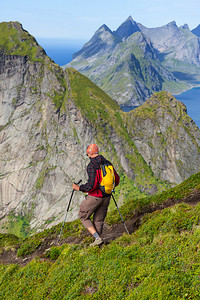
(92, 230)
(98, 239)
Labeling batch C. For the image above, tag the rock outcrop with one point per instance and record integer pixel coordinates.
(166, 137)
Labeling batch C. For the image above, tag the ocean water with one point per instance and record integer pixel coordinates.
(61, 51)
(191, 99)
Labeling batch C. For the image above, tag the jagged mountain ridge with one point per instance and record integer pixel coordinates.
(176, 50)
(48, 116)
(112, 67)
(127, 28)
(178, 47)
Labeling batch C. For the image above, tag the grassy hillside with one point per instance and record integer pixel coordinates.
(159, 260)
(14, 40)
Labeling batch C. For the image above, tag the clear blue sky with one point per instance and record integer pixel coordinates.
(79, 19)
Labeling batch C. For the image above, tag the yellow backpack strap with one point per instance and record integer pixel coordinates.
(113, 173)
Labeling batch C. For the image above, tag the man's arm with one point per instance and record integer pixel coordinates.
(91, 180)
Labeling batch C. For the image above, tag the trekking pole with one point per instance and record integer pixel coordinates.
(120, 215)
(67, 211)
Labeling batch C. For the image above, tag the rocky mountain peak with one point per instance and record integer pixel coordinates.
(185, 27)
(172, 24)
(127, 28)
(103, 41)
(123, 53)
(103, 28)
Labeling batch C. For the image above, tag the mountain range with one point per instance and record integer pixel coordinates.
(48, 116)
(134, 61)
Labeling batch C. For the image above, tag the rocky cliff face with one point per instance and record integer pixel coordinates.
(166, 137)
(33, 175)
(36, 172)
(48, 116)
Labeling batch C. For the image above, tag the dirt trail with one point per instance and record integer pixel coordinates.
(110, 232)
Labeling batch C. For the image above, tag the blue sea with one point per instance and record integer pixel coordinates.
(61, 51)
(191, 99)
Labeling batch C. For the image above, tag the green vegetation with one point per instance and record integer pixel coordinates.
(7, 240)
(93, 102)
(16, 41)
(29, 246)
(141, 205)
(17, 225)
(54, 252)
(160, 260)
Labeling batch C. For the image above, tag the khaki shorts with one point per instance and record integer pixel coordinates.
(96, 206)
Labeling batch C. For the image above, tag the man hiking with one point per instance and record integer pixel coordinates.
(96, 202)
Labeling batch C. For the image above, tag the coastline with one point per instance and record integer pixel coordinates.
(187, 89)
(191, 99)
(190, 80)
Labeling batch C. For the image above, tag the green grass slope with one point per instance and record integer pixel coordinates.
(160, 260)
(14, 40)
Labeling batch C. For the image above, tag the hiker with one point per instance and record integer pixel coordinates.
(96, 202)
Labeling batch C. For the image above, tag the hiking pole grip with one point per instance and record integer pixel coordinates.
(78, 182)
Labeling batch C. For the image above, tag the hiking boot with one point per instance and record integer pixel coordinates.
(97, 242)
